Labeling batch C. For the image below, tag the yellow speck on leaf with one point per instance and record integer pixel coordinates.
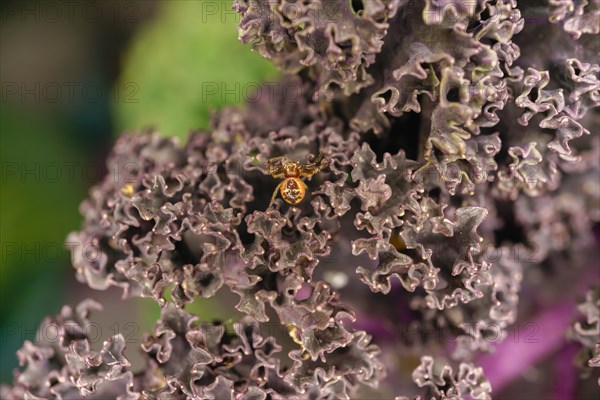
(293, 332)
(127, 190)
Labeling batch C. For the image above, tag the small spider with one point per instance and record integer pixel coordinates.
(292, 187)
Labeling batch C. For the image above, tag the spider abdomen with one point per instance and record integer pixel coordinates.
(292, 190)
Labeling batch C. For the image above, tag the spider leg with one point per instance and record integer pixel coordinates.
(276, 162)
(277, 174)
(274, 194)
(275, 167)
(312, 168)
(276, 171)
(309, 171)
(317, 159)
(276, 159)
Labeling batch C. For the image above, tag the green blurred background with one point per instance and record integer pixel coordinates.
(74, 76)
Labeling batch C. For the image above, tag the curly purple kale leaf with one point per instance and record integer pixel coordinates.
(464, 168)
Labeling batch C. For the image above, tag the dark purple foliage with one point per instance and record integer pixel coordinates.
(461, 195)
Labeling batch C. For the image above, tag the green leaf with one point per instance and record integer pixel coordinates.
(43, 182)
(184, 64)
